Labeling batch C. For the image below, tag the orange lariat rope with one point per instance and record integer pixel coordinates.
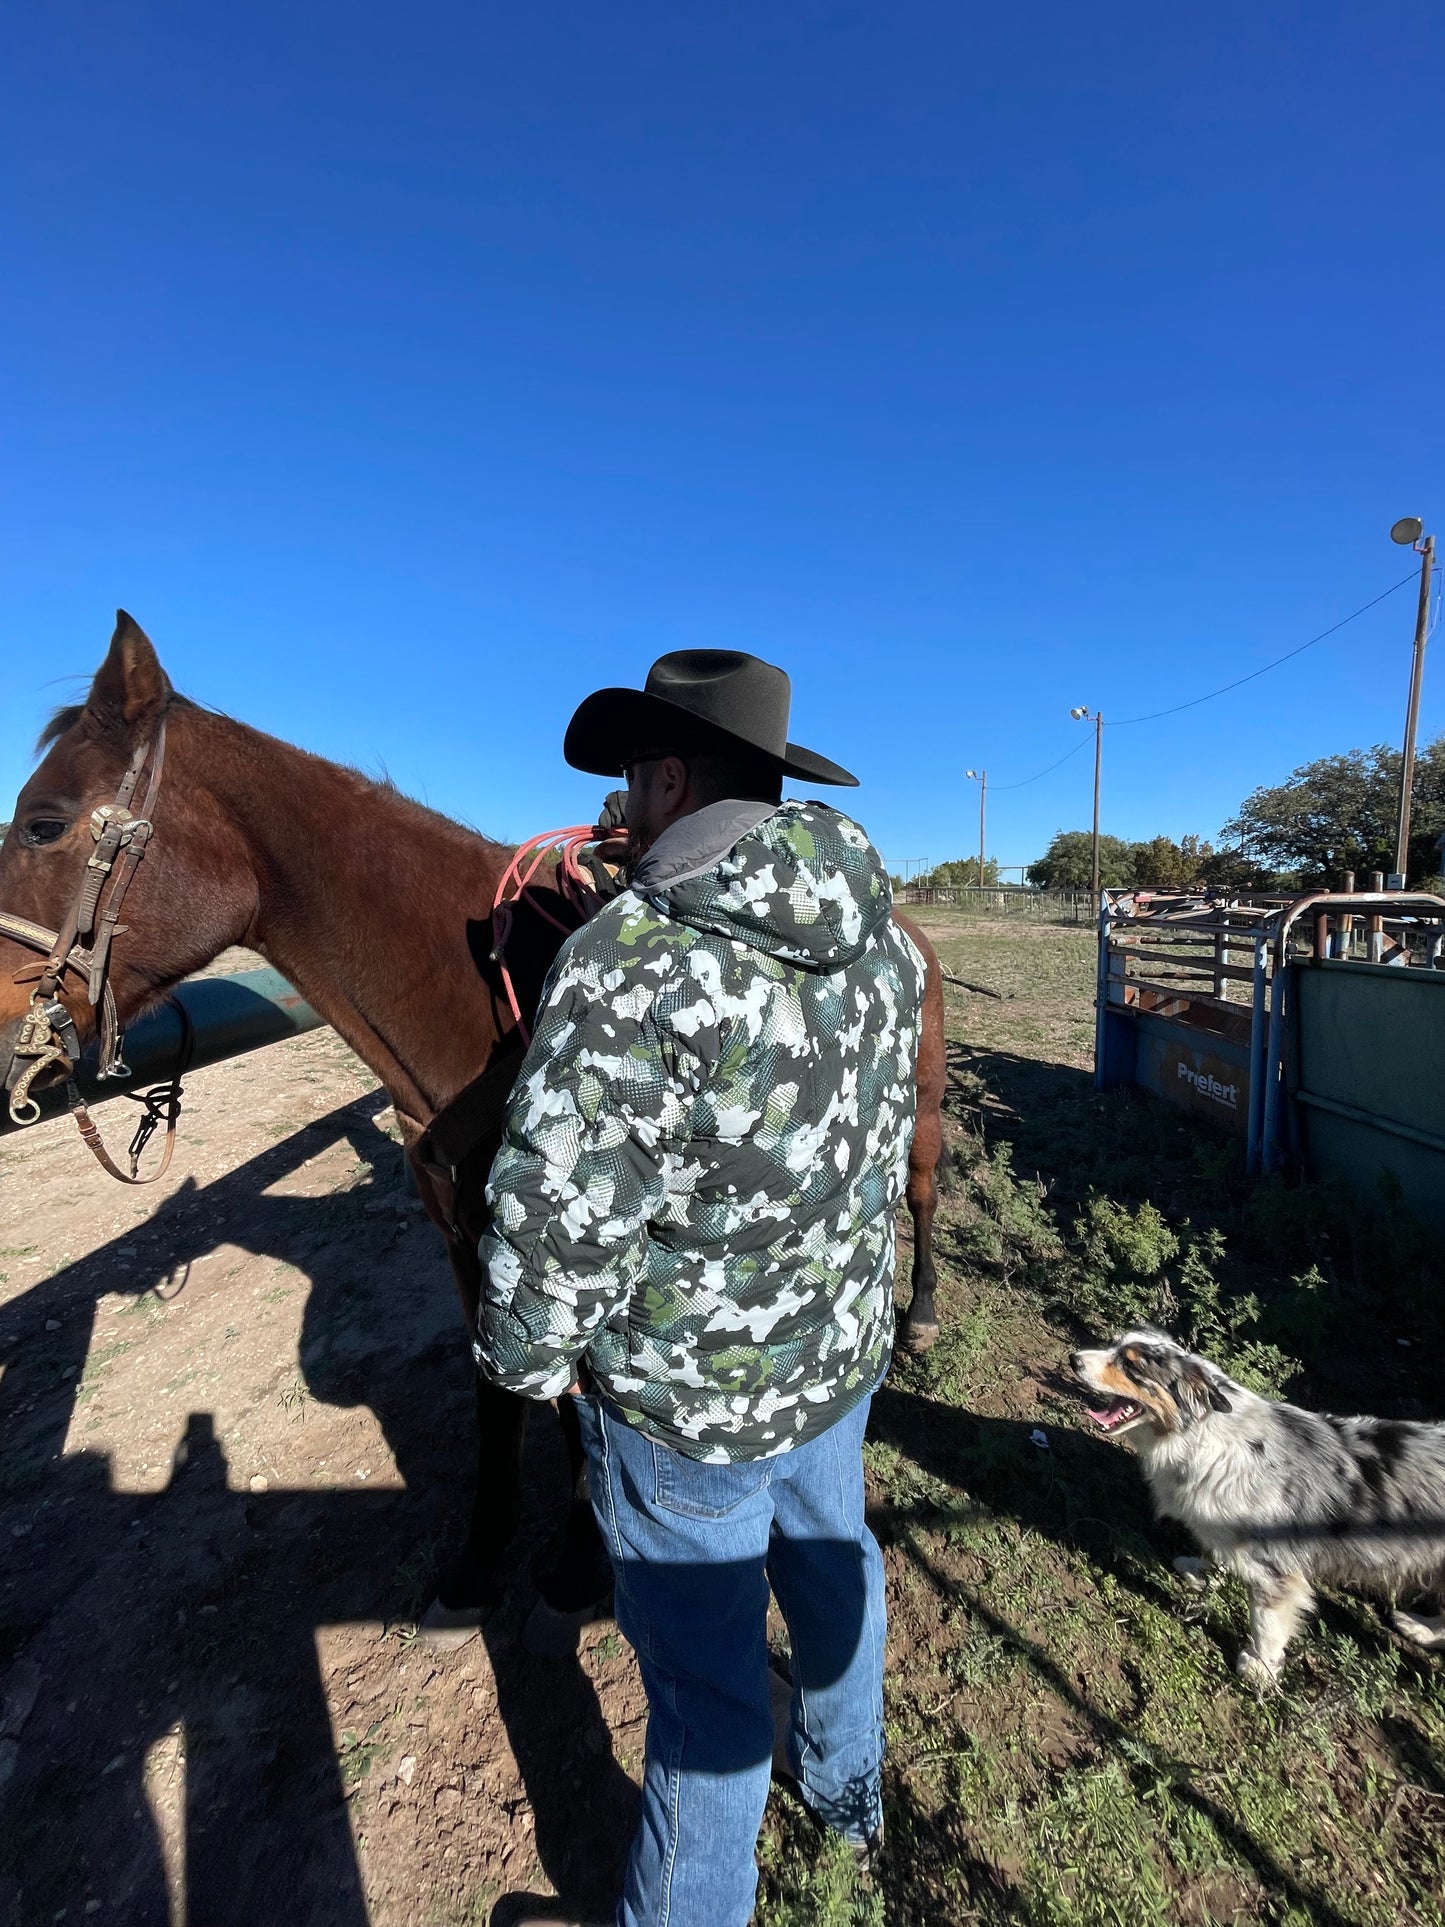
(576, 889)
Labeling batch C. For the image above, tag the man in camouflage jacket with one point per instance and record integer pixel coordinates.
(693, 1214)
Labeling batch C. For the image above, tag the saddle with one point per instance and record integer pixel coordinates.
(553, 884)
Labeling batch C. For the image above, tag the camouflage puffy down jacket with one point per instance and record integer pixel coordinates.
(707, 1143)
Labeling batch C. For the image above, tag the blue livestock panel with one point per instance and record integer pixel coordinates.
(1198, 1071)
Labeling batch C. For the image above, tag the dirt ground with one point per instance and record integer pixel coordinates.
(236, 1420)
(235, 1434)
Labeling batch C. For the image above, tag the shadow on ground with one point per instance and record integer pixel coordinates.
(199, 1604)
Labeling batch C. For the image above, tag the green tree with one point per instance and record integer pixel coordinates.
(1339, 813)
(1067, 863)
(961, 872)
(1223, 869)
(1163, 864)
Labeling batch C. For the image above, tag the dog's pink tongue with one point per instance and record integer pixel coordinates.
(1112, 1415)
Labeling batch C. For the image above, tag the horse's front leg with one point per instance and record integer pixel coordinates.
(473, 1578)
(578, 1589)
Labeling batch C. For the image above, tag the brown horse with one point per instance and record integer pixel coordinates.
(378, 911)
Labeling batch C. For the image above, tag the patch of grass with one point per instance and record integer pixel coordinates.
(358, 1754)
(1109, 1765)
(809, 1880)
(1069, 1745)
(416, 1576)
(474, 1911)
(101, 1356)
(1116, 1264)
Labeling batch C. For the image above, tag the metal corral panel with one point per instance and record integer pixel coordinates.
(1368, 1078)
(1202, 1073)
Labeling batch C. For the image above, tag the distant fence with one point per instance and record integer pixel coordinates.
(1008, 900)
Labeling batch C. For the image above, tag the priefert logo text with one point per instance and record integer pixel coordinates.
(1210, 1087)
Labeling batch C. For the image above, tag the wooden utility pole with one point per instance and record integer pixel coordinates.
(980, 776)
(1098, 761)
(982, 800)
(1081, 715)
(1412, 713)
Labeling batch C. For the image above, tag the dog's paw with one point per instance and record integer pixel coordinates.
(1253, 1671)
(1194, 1571)
(1420, 1630)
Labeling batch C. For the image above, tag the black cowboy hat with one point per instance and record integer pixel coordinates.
(694, 700)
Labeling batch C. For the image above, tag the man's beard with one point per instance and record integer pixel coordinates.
(638, 844)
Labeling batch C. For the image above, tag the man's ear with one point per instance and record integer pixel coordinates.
(130, 687)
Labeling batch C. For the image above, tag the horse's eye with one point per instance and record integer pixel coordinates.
(43, 829)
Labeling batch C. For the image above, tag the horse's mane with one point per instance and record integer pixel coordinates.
(69, 714)
(64, 718)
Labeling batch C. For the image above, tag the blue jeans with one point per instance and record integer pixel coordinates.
(694, 1550)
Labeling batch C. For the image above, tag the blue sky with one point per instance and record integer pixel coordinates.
(408, 373)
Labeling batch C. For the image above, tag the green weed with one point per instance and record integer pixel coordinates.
(416, 1576)
(359, 1754)
(294, 1397)
(812, 1881)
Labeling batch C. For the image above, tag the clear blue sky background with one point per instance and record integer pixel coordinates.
(409, 372)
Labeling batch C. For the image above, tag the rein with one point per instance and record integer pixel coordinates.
(81, 947)
(451, 1138)
(580, 895)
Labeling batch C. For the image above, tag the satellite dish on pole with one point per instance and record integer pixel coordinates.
(1407, 530)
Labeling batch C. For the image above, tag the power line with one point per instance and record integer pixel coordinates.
(1083, 743)
(1195, 701)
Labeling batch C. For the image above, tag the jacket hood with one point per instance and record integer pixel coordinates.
(804, 885)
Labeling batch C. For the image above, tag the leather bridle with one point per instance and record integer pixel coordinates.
(81, 948)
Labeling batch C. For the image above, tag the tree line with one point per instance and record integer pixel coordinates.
(1333, 815)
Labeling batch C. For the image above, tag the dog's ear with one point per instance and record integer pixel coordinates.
(1197, 1391)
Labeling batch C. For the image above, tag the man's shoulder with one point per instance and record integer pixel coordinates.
(630, 921)
(629, 936)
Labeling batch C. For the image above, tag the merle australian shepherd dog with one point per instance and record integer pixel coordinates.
(1284, 1498)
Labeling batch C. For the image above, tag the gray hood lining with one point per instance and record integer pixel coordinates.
(698, 843)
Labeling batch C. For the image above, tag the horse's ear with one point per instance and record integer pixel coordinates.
(130, 686)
